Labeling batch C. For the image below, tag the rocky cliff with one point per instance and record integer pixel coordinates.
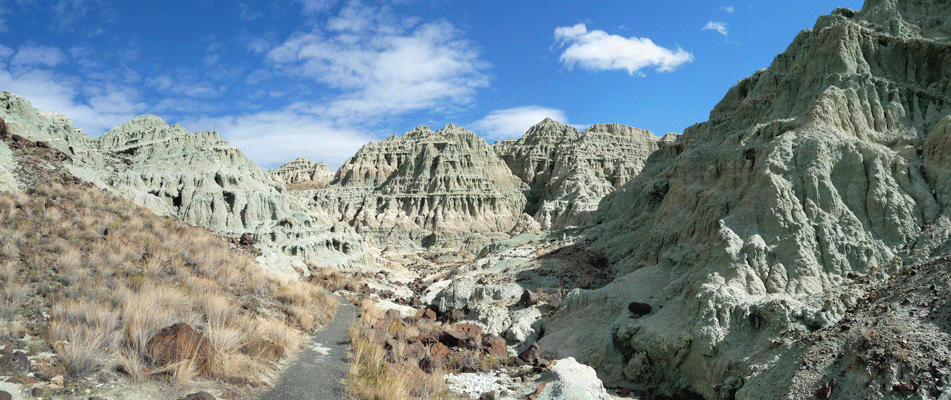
(426, 188)
(195, 176)
(753, 228)
(568, 172)
(302, 174)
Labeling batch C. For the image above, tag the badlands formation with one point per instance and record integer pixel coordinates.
(795, 245)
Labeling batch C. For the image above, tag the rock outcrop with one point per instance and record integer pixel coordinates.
(426, 188)
(195, 176)
(568, 172)
(302, 174)
(201, 179)
(753, 227)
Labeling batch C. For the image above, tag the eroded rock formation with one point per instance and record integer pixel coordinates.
(568, 172)
(195, 176)
(751, 229)
(426, 188)
(302, 174)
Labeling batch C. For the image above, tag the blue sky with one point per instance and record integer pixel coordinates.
(318, 78)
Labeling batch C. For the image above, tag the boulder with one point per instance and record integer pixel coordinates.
(531, 354)
(456, 295)
(14, 363)
(494, 345)
(529, 298)
(639, 309)
(523, 328)
(494, 319)
(198, 396)
(569, 379)
(430, 364)
(177, 343)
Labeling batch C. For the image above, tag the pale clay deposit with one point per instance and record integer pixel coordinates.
(801, 234)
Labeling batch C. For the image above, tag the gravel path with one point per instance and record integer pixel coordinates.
(319, 369)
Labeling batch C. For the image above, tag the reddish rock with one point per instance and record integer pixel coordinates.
(199, 396)
(393, 315)
(825, 391)
(453, 338)
(531, 354)
(429, 364)
(246, 240)
(452, 316)
(22, 380)
(529, 298)
(414, 351)
(470, 330)
(180, 342)
(426, 313)
(906, 387)
(439, 351)
(639, 309)
(538, 390)
(494, 345)
(4, 395)
(543, 365)
(16, 363)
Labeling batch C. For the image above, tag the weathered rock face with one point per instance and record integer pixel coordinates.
(201, 179)
(442, 186)
(302, 174)
(568, 172)
(749, 229)
(195, 176)
(56, 130)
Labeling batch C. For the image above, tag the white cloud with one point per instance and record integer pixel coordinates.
(5, 51)
(514, 122)
(380, 66)
(728, 9)
(258, 45)
(716, 26)
(265, 137)
(314, 6)
(182, 85)
(598, 51)
(247, 14)
(105, 106)
(37, 55)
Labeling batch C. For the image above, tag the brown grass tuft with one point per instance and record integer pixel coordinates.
(108, 294)
(371, 377)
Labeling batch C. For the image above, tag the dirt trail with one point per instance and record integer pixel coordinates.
(320, 368)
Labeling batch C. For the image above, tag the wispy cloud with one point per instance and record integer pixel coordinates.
(382, 66)
(315, 6)
(93, 106)
(246, 14)
(716, 26)
(38, 55)
(514, 122)
(265, 137)
(728, 9)
(599, 51)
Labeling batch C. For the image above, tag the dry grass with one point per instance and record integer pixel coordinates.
(108, 294)
(373, 377)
